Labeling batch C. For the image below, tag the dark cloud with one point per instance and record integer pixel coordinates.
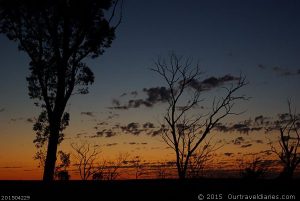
(159, 131)
(116, 102)
(80, 134)
(246, 145)
(134, 93)
(242, 127)
(148, 125)
(123, 94)
(90, 114)
(222, 128)
(261, 66)
(16, 119)
(212, 82)
(102, 123)
(30, 120)
(280, 70)
(154, 95)
(259, 141)
(2, 109)
(228, 154)
(259, 119)
(238, 141)
(10, 167)
(132, 128)
(113, 116)
(157, 94)
(119, 107)
(111, 144)
(105, 133)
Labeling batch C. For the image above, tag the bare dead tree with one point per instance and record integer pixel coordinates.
(138, 166)
(186, 128)
(161, 171)
(201, 158)
(113, 166)
(289, 142)
(86, 156)
(109, 170)
(252, 168)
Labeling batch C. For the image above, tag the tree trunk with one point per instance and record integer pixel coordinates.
(181, 175)
(51, 153)
(287, 173)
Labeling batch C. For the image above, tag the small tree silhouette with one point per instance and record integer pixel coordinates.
(86, 156)
(288, 125)
(202, 157)
(162, 170)
(57, 36)
(109, 170)
(138, 166)
(253, 168)
(185, 128)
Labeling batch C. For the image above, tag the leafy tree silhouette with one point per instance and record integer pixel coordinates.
(61, 171)
(57, 35)
(185, 128)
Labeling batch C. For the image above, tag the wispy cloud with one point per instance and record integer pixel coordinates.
(11, 167)
(132, 128)
(281, 71)
(2, 109)
(105, 133)
(30, 120)
(238, 141)
(228, 154)
(90, 114)
(111, 144)
(246, 145)
(16, 119)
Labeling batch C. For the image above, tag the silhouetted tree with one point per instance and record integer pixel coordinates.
(108, 170)
(113, 166)
(161, 171)
(201, 158)
(186, 128)
(138, 166)
(254, 168)
(61, 171)
(288, 125)
(86, 156)
(57, 36)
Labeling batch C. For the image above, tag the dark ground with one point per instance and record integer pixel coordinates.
(170, 190)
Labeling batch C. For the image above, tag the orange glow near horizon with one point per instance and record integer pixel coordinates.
(17, 150)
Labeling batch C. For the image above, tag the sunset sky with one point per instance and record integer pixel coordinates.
(259, 39)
